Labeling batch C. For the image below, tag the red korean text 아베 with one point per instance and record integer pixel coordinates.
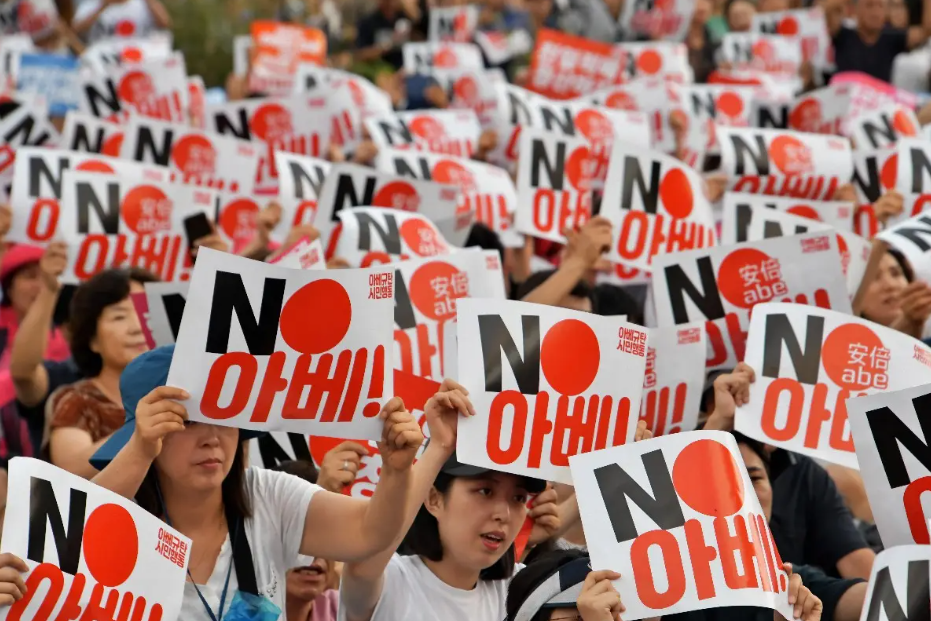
(632, 341)
(171, 547)
(381, 286)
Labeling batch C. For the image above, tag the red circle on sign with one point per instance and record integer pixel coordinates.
(570, 374)
(806, 116)
(194, 155)
(804, 211)
(791, 156)
(237, 221)
(397, 195)
(730, 104)
(889, 172)
(316, 317)
(595, 126)
(787, 26)
(112, 145)
(448, 171)
(902, 123)
(763, 50)
(435, 286)
(649, 62)
(428, 128)
(580, 169)
(125, 28)
(675, 191)
(95, 166)
(703, 461)
(146, 209)
(466, 89)
(621, 101)
(271, 122)
(136, 88)
(445, 57)
(736, 277)
(849, 357)
(422, 238)
(111, 545)
(132, 55)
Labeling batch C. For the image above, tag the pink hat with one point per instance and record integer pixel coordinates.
(17, 256)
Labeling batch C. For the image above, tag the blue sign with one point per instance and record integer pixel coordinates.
(54, 77)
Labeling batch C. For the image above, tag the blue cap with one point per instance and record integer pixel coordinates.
(144, 374)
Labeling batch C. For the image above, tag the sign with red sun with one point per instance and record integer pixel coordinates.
(753, 51)
(450, 132)
(88, 134)
(419, 57)
(373, 235)
(156, 89)
(657, 59)
(807, 26)
(657, 19)
(674, 378)
(883, 127)
(527, 391)
(112, 544)
(317, 359)
(656, 205)
(809, 361)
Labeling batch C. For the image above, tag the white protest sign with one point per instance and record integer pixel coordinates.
(674, 378)
(88, 134)
(450, 132)
(657, 59)
(656, 205)
(37, 187)
(426, 295)
(554, 183)
(667, 532)
(156, 89)
(450, 56)
(912, 166)
(343, 317)
(899, 584)
(165, 302)
(452, 23)
(318, 81)
(825, 110)
(784, 163)
(199, 157)
(658, 20)
(721, 285)
(112, 545)
(528, 394)
(808, 361)
(708, 105)
(761, 52)
(373, 235)
(299, 181)
(890, 434)
(876, 129)
(913, 238)
(807, 25)
(874, 173)
(304, 255)
(117, 222)
(485, 190)
(105, 53)
(836, 214)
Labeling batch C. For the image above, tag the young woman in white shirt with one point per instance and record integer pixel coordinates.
(247, 525)
(100, 19)
(458, 555)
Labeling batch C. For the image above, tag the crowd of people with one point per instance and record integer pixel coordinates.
(81, 388)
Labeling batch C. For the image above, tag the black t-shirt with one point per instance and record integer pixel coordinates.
(852, 54)
(810, 522)
(828, 590)
(59, 374)
(374, 29)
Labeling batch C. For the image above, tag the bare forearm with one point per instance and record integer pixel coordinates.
(850, 603)
(81, 26)
(124, 475)
(32, 337)
(559, 285)
(159, 13)
(77, 460)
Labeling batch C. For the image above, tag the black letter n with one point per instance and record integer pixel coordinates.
(229, 294)
(916, 595)
(43, 508)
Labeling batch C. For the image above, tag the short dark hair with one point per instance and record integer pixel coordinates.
(482, 236)
(581, 289)
(423, 538)
(533, 575)
(300, 468)
(903, 262)
(7, 283)
(233, 489)
(755, 446)
(91, 298)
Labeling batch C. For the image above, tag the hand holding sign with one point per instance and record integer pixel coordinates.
(340, 466)
(52, 264)
(12, 587)
(401, 437)
(805, 605)
(442, 412)
(545, 515)
(889, 204)
(590, 242)
(158, 414)
(599, 600)
(731, 390)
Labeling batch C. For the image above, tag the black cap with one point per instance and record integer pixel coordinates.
(453, 468)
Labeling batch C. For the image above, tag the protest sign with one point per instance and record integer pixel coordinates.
(291, 125)
(373, 235)
(164, 309)
(881, 128)
(707, 105)
(450, 132)
(426, 295)
(432, 55)
(825, 110)
(738, 208)
(654, 97)
(52, 76)
(721, 285)
(452, 23)
(874, 173)
(667, 531)
(808, 361)
(674, 379)
(564, 66)
(784, 163)
(753, 51)
(24, 126)
(199, 157)
(352, 185)
(272, 449)
(88, 134)
(80, 540)
(657, 59)
(667, 214)
(512, 360)
(485, 190)
(299, 181)
(251, 373)
(304, 255)
(319, 81)
(913, 238)
(889, 431)
(156, 89)
(657, 20)
(913, 166)
(112, 51)
(113, 221)
(808, 26)
(899, 584)
(280, 48)
(37, 187)
(554, 182)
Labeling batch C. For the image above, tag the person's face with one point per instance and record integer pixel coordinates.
(702, 12)
(119, 337)
(881, 303)
(740, 17)
(898, 14)
(25, 287)
(768, 6)
(872, 14)
(575, 303)
(306, 583)
(479, 517)
(759, 478)
(198, 458)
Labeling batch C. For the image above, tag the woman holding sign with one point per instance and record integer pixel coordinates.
(247, 525)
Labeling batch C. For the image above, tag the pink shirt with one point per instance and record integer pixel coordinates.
(57, 350)
(325, 606)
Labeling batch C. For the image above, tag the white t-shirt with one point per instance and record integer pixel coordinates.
(413, 593)
(279, 506)
(128, 19)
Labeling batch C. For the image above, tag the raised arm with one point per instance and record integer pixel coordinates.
(362, 581)
(159, 14)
